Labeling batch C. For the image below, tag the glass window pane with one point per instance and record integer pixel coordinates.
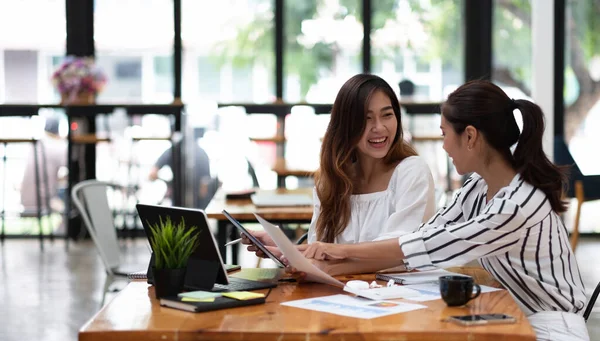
(421, 42)
(582, 97)
(511, 39)
(30, 42)
(323, 46)
(235, 61)
(134, 47)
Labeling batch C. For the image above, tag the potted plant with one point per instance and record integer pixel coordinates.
(173, 244)
(78, 80)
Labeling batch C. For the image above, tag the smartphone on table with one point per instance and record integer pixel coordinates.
(482, 319)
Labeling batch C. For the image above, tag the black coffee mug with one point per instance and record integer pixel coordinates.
(458, 290)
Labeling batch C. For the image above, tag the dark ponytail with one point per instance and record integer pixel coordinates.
(531, 161)
(486, 107)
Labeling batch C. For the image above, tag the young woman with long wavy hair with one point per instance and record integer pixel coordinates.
(371, 185)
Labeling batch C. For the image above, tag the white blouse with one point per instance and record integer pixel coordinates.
(408, 201)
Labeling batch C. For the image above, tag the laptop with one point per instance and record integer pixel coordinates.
(205, 269)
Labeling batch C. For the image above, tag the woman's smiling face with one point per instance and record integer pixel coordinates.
(380, 128)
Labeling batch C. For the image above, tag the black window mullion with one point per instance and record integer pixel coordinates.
(177, 50)
(366, 48)
(559, 67)
(80, 27)
(478, 39)
(279, 31)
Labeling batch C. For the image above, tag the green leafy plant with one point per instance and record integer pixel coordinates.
(173, 244)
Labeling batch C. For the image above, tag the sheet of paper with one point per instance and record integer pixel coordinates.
(199, 294)
(357, 307)
(431, 291)
(294, 257)
(385, 293)
(243, 295)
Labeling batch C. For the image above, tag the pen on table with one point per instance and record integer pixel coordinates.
(234, 242)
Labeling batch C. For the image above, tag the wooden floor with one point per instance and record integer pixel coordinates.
(49, 295)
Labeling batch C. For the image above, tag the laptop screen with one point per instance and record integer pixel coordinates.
(205, 266)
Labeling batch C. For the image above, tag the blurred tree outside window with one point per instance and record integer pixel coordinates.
(512, 61)
(420, 41)
(582, 82)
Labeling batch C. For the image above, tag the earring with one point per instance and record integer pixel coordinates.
(469, 147)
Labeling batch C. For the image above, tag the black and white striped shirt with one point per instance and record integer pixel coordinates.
(516, 237)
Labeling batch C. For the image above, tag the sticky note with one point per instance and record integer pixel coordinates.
(190, 299)
(242, 295)
(199, 294)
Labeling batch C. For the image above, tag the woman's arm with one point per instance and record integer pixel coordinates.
(356, 266)
(374, 251)
(493, 232)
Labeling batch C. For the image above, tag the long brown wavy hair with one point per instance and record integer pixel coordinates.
(334, 181)
(486, 107)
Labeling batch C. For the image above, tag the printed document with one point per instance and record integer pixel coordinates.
(357, 307)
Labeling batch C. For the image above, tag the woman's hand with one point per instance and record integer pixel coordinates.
(258, 252)
(325, 251)
(264, 238)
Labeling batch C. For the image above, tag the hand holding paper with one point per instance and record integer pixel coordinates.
(294, 257)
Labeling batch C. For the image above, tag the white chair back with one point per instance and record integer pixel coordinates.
(90, 198)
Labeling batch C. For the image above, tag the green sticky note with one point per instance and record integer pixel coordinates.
(190, 299)
(199, 294)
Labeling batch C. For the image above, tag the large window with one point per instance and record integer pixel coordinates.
(511, 38)
(323, 45)
(134, 46)
(421, 42)
(582, 83)
(29, 43)
(228, 51)
(582, 95)
(32, 44)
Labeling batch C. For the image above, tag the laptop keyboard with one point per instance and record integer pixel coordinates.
(240, 284)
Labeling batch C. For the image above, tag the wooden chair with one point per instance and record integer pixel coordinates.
(581, 187)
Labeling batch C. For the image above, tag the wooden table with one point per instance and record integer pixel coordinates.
(136, 315)
(242, 210)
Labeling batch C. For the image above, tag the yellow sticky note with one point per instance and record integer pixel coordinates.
(242, 295)
(190, 299)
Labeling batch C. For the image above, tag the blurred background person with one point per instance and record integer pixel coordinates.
(204, 185)
(54, 149)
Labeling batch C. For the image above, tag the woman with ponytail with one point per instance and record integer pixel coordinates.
(370, 185)
(506, 215)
